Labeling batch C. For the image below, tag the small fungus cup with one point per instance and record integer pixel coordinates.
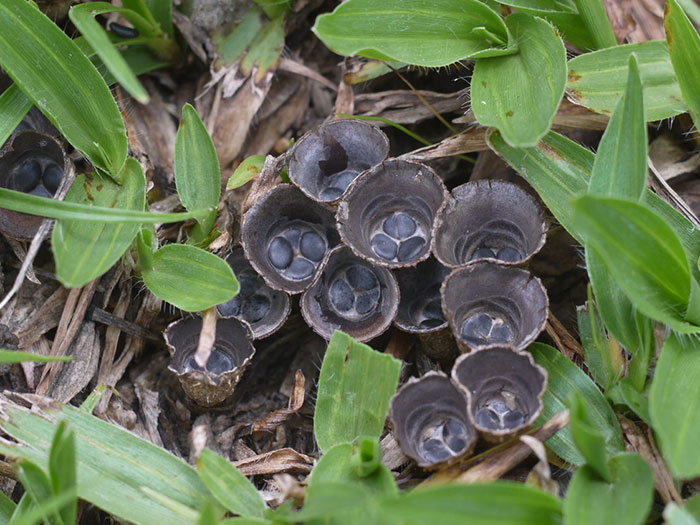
(505, 390)
(388, 214)
(487, 304)
(430, 421)
(232, 353)
(351, 295)
(489, 219)
(287, 237)
(327, 159)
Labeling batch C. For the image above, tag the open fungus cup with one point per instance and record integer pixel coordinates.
(287, 237)
(430, 421)
(388, 214)
(487, 304)
(262, 307)
(505, 389)
(34, 163)
(420, 309)
(351, 295)
(489, 219)
(327, 159)
(230, 356)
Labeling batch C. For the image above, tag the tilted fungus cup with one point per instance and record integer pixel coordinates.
(263, 308)
(287, 237)
(326, 160)
(487, 303)
(430, 421)
(505, 388)
(351, 295)
(420, 308)
(489, 219)
(388, 214)
(230, 356)
(33, 163)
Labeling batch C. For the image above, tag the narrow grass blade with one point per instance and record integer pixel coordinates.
(565, 377)
(625, 500)
(62, 470)
(519, 94)
(62, 83)
(620, 167)
(420, 32)
(85, 250)
(673, 401)
(684, 45)
(543, 6)
(190, 278)
(14, 106)
(595, 18)
(8, 357)
(589, 440)
(162, 11)
(355, 386)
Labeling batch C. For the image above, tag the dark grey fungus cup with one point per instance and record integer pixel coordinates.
(488, 304)
(327, 159)
(430, 421)
(388, 214)
(262, 307)
(489, 219)
(230, 356)
(505, 389)
(34, 163)
(420, 309)
(351, 295)
(287, 237)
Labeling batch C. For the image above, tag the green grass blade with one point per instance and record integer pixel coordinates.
(53, 209)
(598, 79)
(673, 402)
(8, 357)
(620, 167)
(684, 46)
(420, 32)
(519, 94)
(595, 18)
(62, 471)
(197, 171)
(589, 440)
(162, 11)
(543, 6)
(62, 83)
(85, 250)
(83, 16)
(190, 278)
(355, 386)
(14, 106)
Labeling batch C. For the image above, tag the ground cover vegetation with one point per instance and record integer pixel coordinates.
(413, 261)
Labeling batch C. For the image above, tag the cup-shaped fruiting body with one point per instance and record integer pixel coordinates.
(387, 215)
(351, 295)
(488, 304)
(420, 309)
(262, 307)
(505, 388)
(33, 163)
(326, 160)
(287, 237)
(489, 219)
(230, 356)
(430, 421)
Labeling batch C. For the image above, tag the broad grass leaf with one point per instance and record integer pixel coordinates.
(231, 488)
(113, 465)
(85, 250)
(684, 46)
(354, 389)
(565, 377)
(543, 6)
(38, 486)
(674, 401)
(598, 79)
(190, 278)
(62, 83)
(14, 106)
(7, 507)
(265, 50)
(620, 166)
(519, 94)
(643, 254)
(246, 171)
(595, 17)
(589, 440)
(420, 32)
(197, 171)
(502, 502)
(624, 501)
(83, 16)
(677, 515)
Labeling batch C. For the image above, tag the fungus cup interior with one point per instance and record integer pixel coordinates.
(420, 309)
